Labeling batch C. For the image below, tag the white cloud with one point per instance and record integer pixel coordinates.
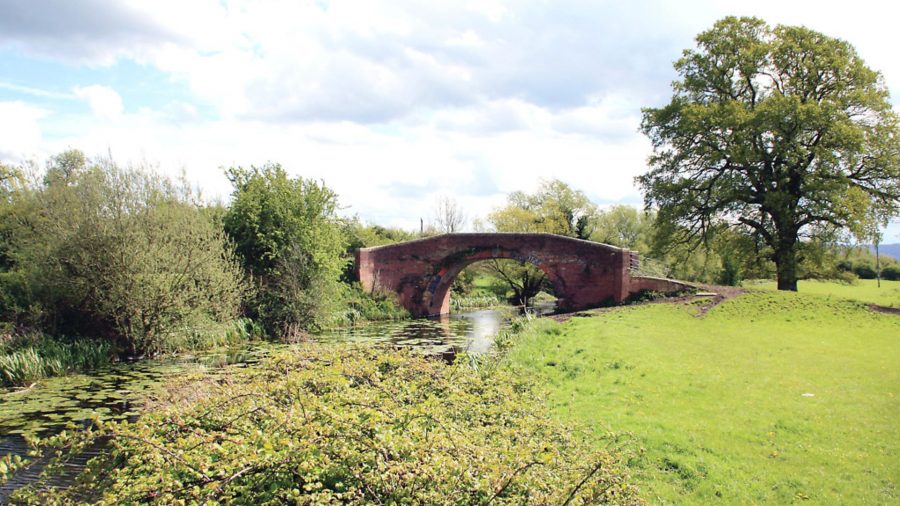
(105, 103)
(393, 102)
(20, 131)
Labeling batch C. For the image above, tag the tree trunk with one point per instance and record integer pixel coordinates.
(786, 265)
(877, 264)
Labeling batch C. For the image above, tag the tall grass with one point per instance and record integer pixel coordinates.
(205, 334)
(28, 359)
(462, 302)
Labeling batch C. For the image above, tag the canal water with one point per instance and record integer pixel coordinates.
(115, 392)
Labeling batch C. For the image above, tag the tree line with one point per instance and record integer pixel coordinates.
(89, 248)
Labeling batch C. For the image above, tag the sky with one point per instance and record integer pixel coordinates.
(392, 103)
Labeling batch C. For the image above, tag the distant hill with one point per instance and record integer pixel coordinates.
(891, 250)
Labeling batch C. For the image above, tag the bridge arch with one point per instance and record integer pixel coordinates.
(584, 273)
(437, 292)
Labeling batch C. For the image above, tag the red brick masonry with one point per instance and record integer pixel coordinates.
(584, 274)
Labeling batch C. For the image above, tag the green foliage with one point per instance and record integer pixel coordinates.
(715, 405)
(358, 305)
(462, 302)
(99, 250)
(291, 241)
(337, 425)
(891, 272)
(625, 227)
(273, 216)
(524, 281)
(773, 132)
(361, 235)
(28, 358)
(860, 262)
(731, 272)
(555, 208)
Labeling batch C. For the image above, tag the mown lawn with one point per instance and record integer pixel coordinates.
(864, 290)
(769, 398)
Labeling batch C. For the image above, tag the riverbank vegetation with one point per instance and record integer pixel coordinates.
(26, 358)
(93, 252)
(335, 424)
(90, 250)
(771, 397)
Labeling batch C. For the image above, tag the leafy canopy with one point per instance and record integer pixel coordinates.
(101, 250)
(769, 131)
(291, 241)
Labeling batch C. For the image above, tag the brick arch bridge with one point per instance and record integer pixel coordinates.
(584, 274)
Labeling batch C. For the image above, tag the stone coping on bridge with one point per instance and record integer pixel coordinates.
(489, 235)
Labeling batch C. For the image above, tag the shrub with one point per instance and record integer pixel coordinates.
(337, 425)
(120, 253)
(731, 271)
(289, 238)
(865, 271)
(891, 272)
(359, 305)
(462, 302)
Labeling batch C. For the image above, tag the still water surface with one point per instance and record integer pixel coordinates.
(115, 392)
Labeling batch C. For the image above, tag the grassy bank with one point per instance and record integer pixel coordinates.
(863, 290)
(769, 398)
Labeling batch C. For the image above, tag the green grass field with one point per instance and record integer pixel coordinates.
(769, 398)
(864, 290)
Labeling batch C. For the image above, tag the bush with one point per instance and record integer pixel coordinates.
(289, 238)
(731, 271)
(337, 425)
(359, 305)
(119, 253)
(462, 302)
(891, 272)
(865, 271)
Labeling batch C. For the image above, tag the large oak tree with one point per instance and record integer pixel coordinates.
(770, 130)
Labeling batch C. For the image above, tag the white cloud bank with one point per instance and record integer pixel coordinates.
(105, 103)
(392, 102)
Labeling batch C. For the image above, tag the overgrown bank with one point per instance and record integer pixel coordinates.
(133, 263)
(337, 424)
(768, 398)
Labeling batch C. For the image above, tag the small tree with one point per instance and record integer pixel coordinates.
(288, 235)
(449, 217)
(768, 131)
(867, 228)
(121, 253)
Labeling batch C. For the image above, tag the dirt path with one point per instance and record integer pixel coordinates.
(715, 295)
(885, 309)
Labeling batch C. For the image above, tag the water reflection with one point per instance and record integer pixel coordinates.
(470, 332)
(113, 391)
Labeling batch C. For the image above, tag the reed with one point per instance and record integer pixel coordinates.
(28, 359)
